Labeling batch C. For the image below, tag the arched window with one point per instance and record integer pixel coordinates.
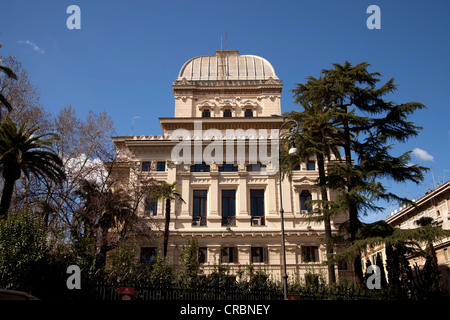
(248, 113)
(227, 113)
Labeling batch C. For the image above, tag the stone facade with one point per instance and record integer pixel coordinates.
(232, 206)
(434, 204)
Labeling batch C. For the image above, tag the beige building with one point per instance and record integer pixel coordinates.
(221, 147)
(434, 204)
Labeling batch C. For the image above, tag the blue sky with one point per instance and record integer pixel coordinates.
(127, 53)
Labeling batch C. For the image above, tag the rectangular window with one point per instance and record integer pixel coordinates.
(228, 167)
(228, 207)
(146, 166)
(151, 206)
(200, 167)
(199, 208)
(256, 167)
(311, 165)
(148, 255)
(305, 206)
(310, 254)
(257, 207)
(202, 254)
(161, 166)
(248, 113)
(229, 255)
(447, 255)
(259, 254)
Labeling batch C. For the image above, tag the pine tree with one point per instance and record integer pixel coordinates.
(364, 124)
(316, 140)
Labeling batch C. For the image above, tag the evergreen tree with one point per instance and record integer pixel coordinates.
(364, 124)
(189, 260)
(398, 269)
(317, 140)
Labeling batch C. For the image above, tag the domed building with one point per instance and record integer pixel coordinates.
(221, 147)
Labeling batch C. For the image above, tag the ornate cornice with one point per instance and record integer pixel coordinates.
(226, 83)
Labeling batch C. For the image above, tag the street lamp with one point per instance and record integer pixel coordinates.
(292, 151)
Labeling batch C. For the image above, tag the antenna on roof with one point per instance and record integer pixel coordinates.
(132, 124)
(226, 39)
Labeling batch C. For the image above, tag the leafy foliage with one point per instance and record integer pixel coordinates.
(22, 151)
(31, 259)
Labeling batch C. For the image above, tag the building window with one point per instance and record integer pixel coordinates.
(305, 206)
(228, 207)
(447, 255)
(310, 254)
(257, 207)
(151, 206)
(199, 208)
(148, 255)
(228, 167)
(259, 254)
(227, 113)
(206, 113)
(161, 166)
(248, 113)
(256, 167)
(229, 255)
(311, 165)
(200, 167)
(202, 254)
(146, 166)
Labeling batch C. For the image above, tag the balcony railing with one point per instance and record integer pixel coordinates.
(198, 221)
(228, 221)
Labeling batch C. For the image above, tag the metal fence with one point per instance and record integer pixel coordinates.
(108, 292)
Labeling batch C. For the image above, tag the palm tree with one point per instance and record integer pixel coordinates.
(23, 151)
(167, 192)
(102, 210)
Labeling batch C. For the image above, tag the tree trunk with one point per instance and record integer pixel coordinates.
(327, 222)
(166, 227)
(8, 189)
(352, 210)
